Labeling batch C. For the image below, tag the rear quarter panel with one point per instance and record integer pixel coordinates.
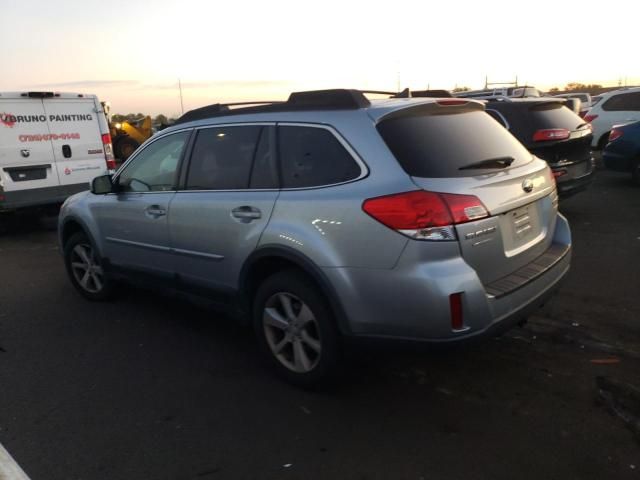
(327, 224)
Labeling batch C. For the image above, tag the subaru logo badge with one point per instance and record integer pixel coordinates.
(527, 185)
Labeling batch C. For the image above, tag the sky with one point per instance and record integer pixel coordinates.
(132, 53)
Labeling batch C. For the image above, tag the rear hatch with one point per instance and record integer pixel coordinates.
(559, 136)
(26, 156)
(458, 149)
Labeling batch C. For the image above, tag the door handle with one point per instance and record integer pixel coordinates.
(155, 211)
(66, 151)
(246, 214)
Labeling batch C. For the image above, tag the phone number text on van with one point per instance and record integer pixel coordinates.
(48, 137)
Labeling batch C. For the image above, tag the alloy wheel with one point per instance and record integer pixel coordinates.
(86, 270)
(292, 332)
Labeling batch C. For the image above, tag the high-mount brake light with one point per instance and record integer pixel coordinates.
(551, 134)
(423, 215)
(590, 118)
(108, 151)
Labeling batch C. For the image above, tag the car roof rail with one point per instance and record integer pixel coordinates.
(338, 98)
(332, 99)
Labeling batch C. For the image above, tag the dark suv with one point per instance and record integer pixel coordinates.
(551, 132)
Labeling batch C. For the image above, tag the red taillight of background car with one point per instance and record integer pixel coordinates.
(425, 215)
(615, 134)
(108, 151)
(550, 134)
(590, 118)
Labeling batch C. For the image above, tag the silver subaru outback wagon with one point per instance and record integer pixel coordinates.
(330, 216)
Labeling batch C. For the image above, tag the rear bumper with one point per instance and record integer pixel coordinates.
(411, 302)
(35, 197)
(568, 185)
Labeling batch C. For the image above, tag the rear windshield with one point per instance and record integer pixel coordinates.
(554, 115)
(438, 146)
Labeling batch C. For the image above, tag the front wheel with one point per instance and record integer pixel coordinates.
(296, 329)
(85, 269)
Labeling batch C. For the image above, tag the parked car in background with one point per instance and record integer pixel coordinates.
(51, 146)
(622, 152)
(585, 100)
(614, 108)
(551, 132)
(330, 216)
(518, 92)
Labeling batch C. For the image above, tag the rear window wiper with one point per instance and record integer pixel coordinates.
(582, 125)
(498, 162)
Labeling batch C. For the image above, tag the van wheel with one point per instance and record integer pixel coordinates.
(126, 146)
(84, 268)
(296, 330)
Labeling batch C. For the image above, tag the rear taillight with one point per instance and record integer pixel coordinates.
(615, 134)
(425, 215)
(550, 134)
(590, 118)
(108, 151)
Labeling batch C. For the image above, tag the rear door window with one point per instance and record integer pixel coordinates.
(313, 157)
(223, 159)
(438, 146)
(624, 102)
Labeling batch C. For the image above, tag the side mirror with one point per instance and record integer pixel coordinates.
(102, 185)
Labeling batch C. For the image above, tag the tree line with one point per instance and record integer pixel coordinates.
(132, 117)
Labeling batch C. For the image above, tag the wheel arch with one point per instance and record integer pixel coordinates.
(72, 225)
(603, 140)
(270, 259)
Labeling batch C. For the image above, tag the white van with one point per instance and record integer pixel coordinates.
(51, 146)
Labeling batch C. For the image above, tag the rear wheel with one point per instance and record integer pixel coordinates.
(85, 269)
(296, 330)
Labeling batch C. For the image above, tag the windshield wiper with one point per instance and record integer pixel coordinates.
(498, 162)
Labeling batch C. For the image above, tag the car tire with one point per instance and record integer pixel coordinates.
(84, 268)
(296, 329)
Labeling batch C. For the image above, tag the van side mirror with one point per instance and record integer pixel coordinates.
(102, 185)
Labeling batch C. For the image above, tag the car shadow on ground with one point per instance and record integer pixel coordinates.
(20, 223)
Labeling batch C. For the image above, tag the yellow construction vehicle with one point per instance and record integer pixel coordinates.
(127, 135)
